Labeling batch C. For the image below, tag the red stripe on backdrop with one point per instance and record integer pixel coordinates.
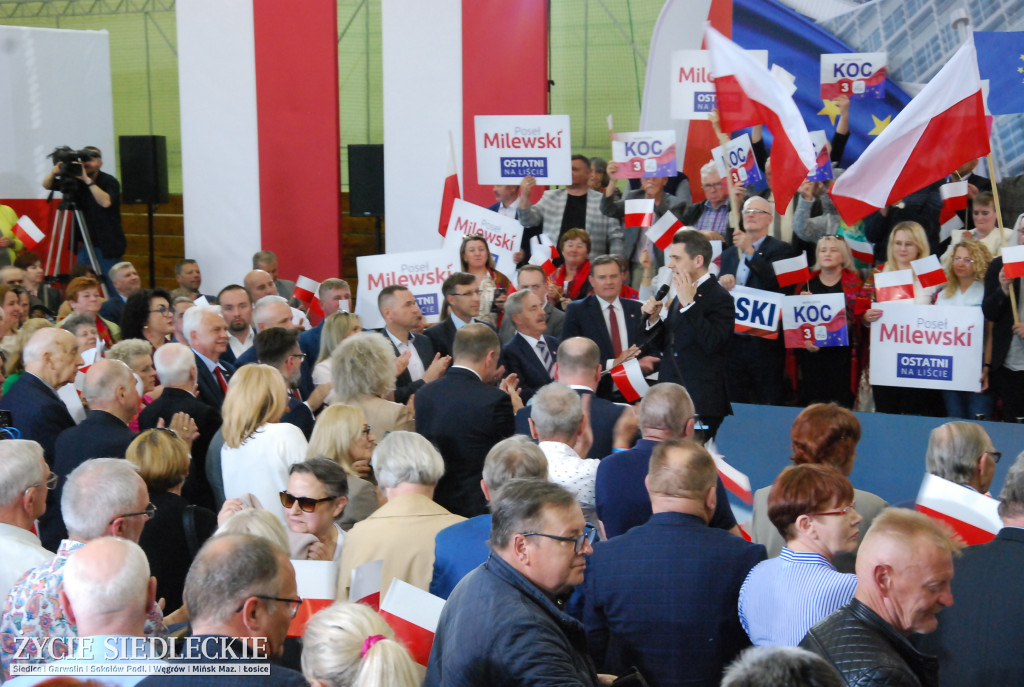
(504, 72)
(297, 124)
(701, 137)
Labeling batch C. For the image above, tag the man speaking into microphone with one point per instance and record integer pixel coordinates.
(693, 336)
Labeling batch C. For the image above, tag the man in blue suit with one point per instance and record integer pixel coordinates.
(126, 282)
(530, 354)
(335, 296)
(673, 573)
(207, 334)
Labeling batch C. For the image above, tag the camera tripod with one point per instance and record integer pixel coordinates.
(67, 214)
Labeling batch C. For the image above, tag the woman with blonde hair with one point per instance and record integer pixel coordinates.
(258, 448)
(348, 645)
(257, 522)
(337, 328)
(342, 434)
(364, 373)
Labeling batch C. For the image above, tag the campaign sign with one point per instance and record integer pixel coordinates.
(818, 320)
(858, 75)
(927, 346)
(423, 272)
(512, 147)
(736, 161)
(503, 234)
(757, 311)
(644, 154)
(823, 168)
(692, 86)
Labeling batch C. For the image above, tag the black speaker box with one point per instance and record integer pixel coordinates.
(366, 180)
(144, 169)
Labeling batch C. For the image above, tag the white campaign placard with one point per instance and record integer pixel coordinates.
(693, 87)
(511, 147)
(423, 272)
(644, 154)
(504, 234)
(735, 161)
(757, 312)
(858, 75)
(927, 346)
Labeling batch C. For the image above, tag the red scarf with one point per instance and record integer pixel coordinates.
(577, 282)
(104, 332)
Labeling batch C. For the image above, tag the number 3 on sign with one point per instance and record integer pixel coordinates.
(638, 166)
(807, 332)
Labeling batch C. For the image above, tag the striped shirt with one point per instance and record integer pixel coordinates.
(782, 598)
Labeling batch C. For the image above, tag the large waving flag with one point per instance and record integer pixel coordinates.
(747, 95)
(451, 189)
(1001, 61)
(941, 128)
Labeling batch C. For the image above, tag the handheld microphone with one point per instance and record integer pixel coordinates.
(662, 292)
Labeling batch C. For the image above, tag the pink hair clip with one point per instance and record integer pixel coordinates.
(370, 641)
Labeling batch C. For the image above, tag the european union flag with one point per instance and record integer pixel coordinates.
(1001, 61)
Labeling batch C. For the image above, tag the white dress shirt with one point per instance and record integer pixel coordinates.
(20, 551)
(620, 315)
(416, 369)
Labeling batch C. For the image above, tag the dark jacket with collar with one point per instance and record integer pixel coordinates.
(38, 412)
(210, 392)
(520, 358)
(867, 651)
(762, 274)
(997, 309)
(586, 318)
(404, 386)
(534, 643)
(209, 653)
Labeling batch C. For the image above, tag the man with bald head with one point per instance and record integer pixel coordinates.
(260, 284)
(51, 361)
(904, 569)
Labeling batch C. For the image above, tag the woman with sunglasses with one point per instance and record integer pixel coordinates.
(477, 260)
(812, 508)
(343, 436)
(148, 315)
(314, 500)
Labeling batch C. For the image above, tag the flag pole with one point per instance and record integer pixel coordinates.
(999, 225)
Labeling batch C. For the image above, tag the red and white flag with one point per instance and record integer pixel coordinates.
(317, 585)
(929, 271)
(640, 212)
(954, 200)
(792, 270)
(662, 231)
(748, 94)
(365, 585)
(543, 253)
(630, 381)
(1013, 262)
(27, 231)
(734, 480)
(305, 289)
(451, 189)
(413, 614)
(939, 130)
(862, 250)
(894, 286)
(974, 516)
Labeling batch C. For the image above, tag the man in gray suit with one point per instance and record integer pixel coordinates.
(533, 278)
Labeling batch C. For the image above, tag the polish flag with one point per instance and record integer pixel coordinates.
(664, 229)
(862, 250)
(305, 289)
(894, 286)
(640, 212)
(929, 271)
(365, 585)
(748, 94)
(317, 584)
(734, 480)
(973, 516)
(954, 199)
(27, 231)
(413, 614)
(1013, 262)
(939, 130)
(630, 381)
(543, 253)
(451, 189)
(792, 270)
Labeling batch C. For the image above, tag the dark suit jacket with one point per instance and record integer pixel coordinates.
(679, 576)
(555, 318)
(463, 417)
(518, 357)
(997, 309)
(250, 357)
(762, 274)
(603, 416)
(979, 638)
(210, 392)
(100, 435)
(693, 347)
(299, 415)
(113, 308)
(197, 488)
(404, 386)
(309, 343)
(37, 411)
(442, 336)
(585, 318)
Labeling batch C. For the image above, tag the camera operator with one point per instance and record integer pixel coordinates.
(98, 196)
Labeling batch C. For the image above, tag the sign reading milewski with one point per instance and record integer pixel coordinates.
(422, 272)
(512, 147)
(927, 346)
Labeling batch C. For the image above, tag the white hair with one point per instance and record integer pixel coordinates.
(709, 168)
(40, 343)
(193, 317)
(174, 363)
(94, 595)
(97, 491)
(21, 466)
(259, 311)
(406, 457)
(557, 412)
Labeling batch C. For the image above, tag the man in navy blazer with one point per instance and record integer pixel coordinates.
(579, 366)
(464, 415)
(401, 315)
(673, 574)
(461, 293)
(591, 317)
(126, 282)
(755, 363)
(531, 354)
(694, 335)
(207, 334)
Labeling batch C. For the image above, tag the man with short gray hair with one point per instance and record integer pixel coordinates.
(25, 480)
(126, 282)
(402, 531)
(962, 452)
(771, 666)
(206, 331)
(531, 354)
(267, 261)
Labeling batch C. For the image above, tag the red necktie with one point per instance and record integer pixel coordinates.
(296, 396)
(220, 378)
(613, 324)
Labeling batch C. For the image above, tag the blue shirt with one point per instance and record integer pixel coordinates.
(782, 598)
(458, 549)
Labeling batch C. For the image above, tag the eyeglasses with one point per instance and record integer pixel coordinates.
(51, 482)
(842, 511)
(717, 184)
(470, 293)
(967, 261)
(293, 603)
(306, 504)
(588, 536)
(163, 310)
(300, 356)
(755, 211)
(994, 455)
(366, 431)
(149, 513)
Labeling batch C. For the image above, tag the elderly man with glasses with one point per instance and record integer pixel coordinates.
(25, 480)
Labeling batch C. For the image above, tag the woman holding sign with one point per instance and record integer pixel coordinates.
(477, 260)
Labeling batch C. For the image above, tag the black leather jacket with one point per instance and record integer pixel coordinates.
(867, 651)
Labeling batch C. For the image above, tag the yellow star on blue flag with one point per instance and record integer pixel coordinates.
(997, 64)
(880, 125)
(831, 109)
